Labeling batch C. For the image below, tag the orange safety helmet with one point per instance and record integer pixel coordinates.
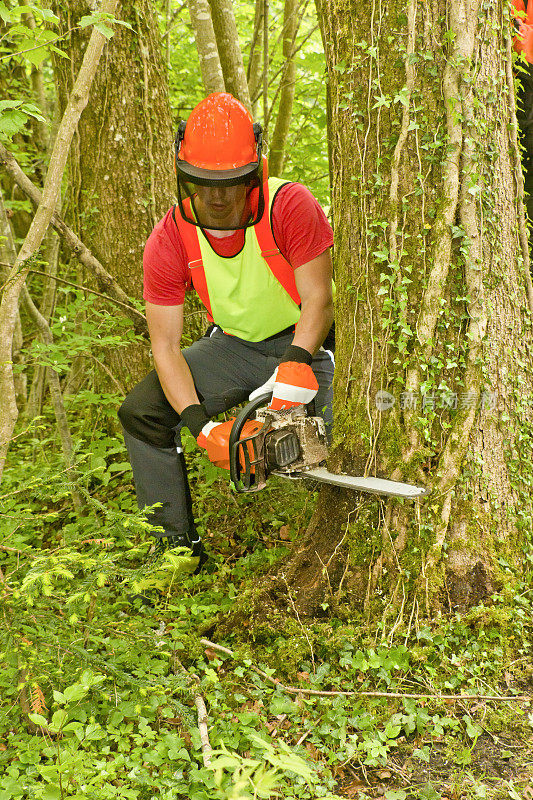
(219, 145)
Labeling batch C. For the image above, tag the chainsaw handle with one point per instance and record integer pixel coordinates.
(242, 417)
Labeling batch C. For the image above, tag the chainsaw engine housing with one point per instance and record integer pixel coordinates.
(293, 441)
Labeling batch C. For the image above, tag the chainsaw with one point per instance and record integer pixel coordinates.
(291, 444)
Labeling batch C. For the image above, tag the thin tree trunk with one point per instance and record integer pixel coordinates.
(38, 227)
(206, 45)
(253, 70)
(8, 255)
(266, 64)
(229, 50)
(276, 155)
(52, 379)
(36, 393)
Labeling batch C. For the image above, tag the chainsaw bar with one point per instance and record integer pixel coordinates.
(292, 445)
(358, 484)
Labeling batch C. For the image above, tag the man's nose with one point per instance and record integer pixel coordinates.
(218, 194)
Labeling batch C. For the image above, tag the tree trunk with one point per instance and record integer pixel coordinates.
(206, 44)
(253, 70)
(8, 255)
(121, 179)
(229, 50)
(291, 21)
(433, 374)
(52, 187)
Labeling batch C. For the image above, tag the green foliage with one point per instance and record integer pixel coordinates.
(101, 655)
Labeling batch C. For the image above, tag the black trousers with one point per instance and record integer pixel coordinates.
(225, 370)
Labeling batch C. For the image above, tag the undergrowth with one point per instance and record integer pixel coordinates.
(100, 673)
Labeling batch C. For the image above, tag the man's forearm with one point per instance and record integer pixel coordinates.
(314, 324)
(175, 377)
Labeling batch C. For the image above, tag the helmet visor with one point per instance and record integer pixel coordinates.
(227, 203)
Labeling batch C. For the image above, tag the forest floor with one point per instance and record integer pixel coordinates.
(489, 773)
(104, 662)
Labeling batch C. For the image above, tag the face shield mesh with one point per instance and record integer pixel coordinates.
(220, 205)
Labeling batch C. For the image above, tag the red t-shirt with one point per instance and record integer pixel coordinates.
(300, 226)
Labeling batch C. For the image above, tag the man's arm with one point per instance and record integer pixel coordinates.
(165, 324)
(313, 281)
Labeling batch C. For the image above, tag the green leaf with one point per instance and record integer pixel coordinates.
(33, 111)
(75, 692)
(51, 792)
(281, 705)
(11, 122)
(5, 14)
(10, 104)
(395, 795)
(428, 792)
(58, 720)
(38, 719)
(105, 30)
(89, 19)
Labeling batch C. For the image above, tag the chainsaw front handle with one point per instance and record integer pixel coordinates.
(242, 417)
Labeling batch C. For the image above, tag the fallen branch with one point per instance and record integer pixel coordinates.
(394, 695)
(193, 681)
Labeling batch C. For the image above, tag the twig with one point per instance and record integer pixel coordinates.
(302, 738)
(79, 286)
(394, 695)
(193, 681)
(202, 726)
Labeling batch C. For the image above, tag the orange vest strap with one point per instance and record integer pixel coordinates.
(278, 265)
(189, 237)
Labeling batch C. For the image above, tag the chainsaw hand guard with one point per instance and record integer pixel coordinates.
(248, 474)
(288, 441)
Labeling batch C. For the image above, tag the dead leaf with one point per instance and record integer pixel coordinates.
(353, 788)
(311, 749)
(302, 676)
(284, 533)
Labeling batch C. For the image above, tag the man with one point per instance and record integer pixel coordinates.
(257, 251)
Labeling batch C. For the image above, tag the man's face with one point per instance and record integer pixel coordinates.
(221, 207)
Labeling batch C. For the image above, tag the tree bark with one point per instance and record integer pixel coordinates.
(432, 312)
(8, 255)
(52, 186)
(75, 245)
(253, 70)
(206, 44)
(121, 179)
(229, 50)
(276, 156)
